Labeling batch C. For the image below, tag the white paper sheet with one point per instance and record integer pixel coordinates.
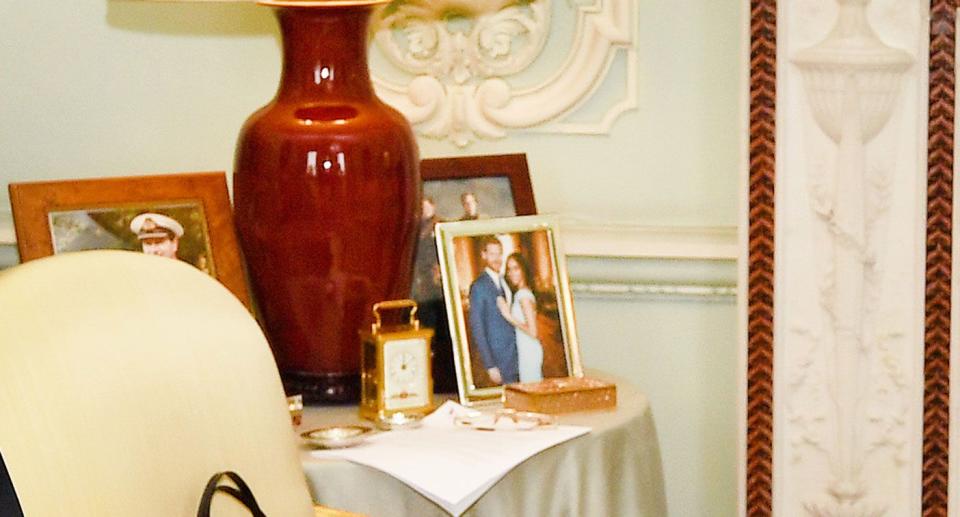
(453, 466)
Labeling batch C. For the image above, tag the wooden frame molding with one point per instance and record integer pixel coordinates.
(763, 100)
(940, 155)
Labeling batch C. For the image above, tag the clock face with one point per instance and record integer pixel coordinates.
(406, 378)
(403, 368)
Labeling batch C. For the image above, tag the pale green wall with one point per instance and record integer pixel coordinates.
(98, 88)
(114, 88)
(681, 352)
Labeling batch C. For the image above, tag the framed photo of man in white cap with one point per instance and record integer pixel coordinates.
(185, 217)
(154, 229)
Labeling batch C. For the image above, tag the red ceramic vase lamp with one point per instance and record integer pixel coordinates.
(327, 195)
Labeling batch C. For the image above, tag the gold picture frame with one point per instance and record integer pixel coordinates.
(481, 326)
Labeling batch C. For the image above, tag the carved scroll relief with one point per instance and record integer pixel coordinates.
(849, 290)
(460, 56)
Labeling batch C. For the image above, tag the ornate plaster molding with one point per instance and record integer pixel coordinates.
(459, 56)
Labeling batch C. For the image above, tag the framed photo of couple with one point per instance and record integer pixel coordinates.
(457, 189)
(508, 303)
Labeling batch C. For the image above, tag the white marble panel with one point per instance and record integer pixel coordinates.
(852, 98)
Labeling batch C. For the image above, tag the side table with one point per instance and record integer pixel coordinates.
(613, 470)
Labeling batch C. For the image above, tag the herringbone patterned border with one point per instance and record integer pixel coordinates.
(936, 396)
(763, 98)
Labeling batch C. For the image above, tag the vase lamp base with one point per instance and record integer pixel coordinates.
(323, 388)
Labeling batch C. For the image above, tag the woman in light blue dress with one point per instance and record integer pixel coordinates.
(521, 312)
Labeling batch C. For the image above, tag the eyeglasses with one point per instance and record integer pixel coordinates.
(506, 420)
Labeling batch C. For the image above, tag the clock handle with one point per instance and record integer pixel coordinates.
(393, 305)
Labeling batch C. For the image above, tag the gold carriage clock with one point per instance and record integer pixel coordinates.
(396, 382)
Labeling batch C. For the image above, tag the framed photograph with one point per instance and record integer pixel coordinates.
(508, 303)
(454, 189)
(180, 216)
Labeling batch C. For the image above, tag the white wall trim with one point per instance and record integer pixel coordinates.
(602, 240)
(636, 241)
(7, 234)
(614, 289)
(613, 241)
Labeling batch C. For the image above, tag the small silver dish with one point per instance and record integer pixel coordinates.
(337, 436)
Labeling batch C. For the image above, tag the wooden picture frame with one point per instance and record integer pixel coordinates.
(502, 179)
(466, 169)
(531, 272)
(75, 215)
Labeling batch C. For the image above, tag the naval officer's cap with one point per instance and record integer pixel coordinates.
(150, 225)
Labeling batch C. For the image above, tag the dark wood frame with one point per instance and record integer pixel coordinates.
(512, 166)
(939, 242)
(32, 203)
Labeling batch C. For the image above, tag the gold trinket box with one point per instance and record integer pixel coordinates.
(561, 395)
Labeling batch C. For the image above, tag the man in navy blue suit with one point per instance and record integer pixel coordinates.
(493, 337)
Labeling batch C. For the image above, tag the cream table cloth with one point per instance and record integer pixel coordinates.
(613, 470)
